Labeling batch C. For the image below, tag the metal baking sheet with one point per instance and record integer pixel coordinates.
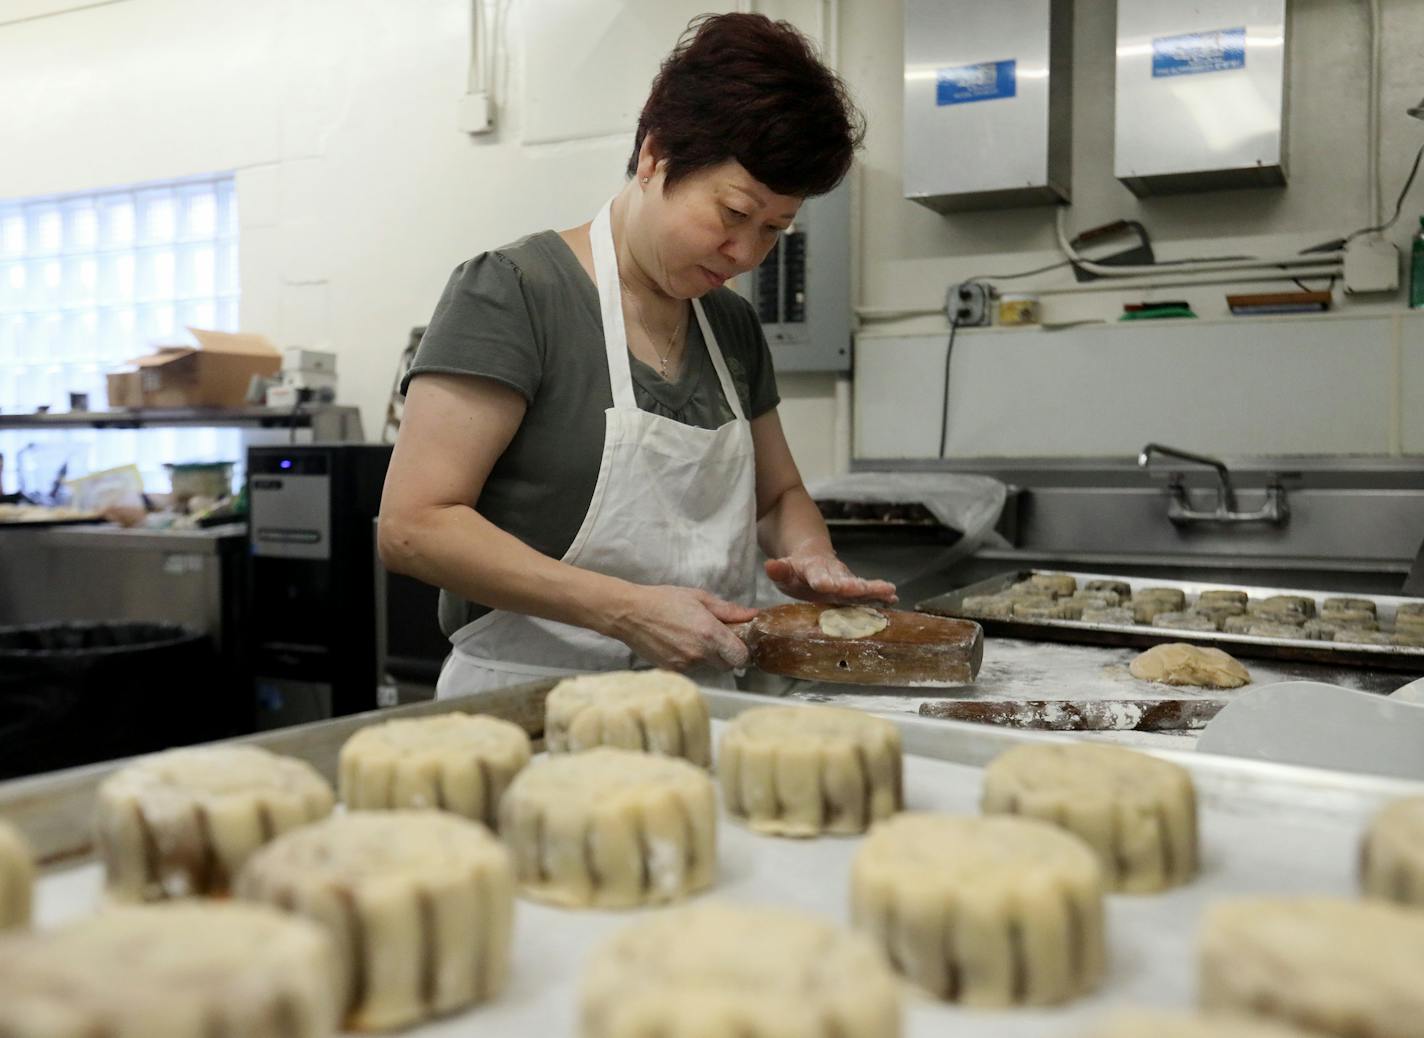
(1381, 657)
(1265, 828)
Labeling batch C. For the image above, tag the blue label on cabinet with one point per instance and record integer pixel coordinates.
(983, 82)
(1196, 52)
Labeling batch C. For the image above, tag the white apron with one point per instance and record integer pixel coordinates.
(673, 505)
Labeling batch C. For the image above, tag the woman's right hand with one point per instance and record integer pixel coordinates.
(682, 627)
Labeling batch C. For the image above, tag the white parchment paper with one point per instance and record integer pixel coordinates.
(1248, 847)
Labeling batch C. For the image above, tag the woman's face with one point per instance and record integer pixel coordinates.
(710, 226)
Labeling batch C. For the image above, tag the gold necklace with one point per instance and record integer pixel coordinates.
(663, 358)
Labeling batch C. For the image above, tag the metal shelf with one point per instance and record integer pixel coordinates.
(328, 422)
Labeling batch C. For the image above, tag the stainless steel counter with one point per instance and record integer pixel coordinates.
(192, 577)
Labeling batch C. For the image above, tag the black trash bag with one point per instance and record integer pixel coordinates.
(76, 693)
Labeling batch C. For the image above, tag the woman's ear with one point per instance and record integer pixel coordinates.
(651, 160)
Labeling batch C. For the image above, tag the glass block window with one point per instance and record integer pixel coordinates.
(91, 281)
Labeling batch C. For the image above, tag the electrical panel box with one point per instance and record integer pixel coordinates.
(988, 103)
(1201, 93)
(802, 290)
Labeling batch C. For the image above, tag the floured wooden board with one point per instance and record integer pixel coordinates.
(1080, 715)
(914, 649)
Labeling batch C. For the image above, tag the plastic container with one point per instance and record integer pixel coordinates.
(1416, 270)
(1018, 308)
(75, 693)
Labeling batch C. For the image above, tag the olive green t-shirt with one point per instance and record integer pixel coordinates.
(527, 315)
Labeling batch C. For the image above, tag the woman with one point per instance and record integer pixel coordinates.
(590, 453)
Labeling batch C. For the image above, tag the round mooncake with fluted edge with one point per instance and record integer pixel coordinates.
(1137, 812)
(419, 903)
(1392, 853)
(808, 770)
(182, 822)
(460, 763)
(611, 828)
(17, 878)
(747, 970)
(172, 970)
(656, 711)
(1330, 965)
(993, 911)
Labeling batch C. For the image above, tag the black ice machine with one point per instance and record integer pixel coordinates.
(313, 617)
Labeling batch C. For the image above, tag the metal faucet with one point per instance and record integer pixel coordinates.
(1180, 510)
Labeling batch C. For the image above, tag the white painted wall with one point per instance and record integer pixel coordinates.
(909, 255)
(358, 195)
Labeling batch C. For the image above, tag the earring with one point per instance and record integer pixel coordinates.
(645, 180)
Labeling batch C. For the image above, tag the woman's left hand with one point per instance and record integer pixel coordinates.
(815, 577)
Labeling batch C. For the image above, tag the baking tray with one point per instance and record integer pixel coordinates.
(1380, 657)
(1265, 828)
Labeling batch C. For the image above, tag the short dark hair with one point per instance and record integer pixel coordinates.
(741, 86)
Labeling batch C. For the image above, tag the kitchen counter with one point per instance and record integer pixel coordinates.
(1014, 669)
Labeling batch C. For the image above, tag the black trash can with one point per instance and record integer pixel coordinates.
(75, 693)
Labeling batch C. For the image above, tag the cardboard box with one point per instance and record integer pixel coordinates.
(215, 373)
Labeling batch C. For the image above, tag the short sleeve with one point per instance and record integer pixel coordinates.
(753, 353)
(761, 376)
(481, 326)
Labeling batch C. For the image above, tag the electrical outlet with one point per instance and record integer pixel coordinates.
(1371, 265)
(967, 304)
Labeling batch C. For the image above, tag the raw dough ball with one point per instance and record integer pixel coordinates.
(172, 971)
(1121, 588)
(1192, 621)
(1342, 967)
(806, 770)
(419, 905)
(1409, 637)
(1409, 609)
(985, 911)
(852, 622)
(1177, 663)
(455, 762)
(1138, 813)
(1161, 1024)
(1351, 605)
(1096, 598)
(17, 878)
(182, 822)
(1223, 596)
(1121, 615)
(1392, 854)
(653, 710)
(610, 828)
(750, 971)
(1058, 584)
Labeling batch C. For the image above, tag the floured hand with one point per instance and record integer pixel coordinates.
(825, 578)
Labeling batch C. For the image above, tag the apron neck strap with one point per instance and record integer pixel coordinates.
(615, 332)
(610, 303)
